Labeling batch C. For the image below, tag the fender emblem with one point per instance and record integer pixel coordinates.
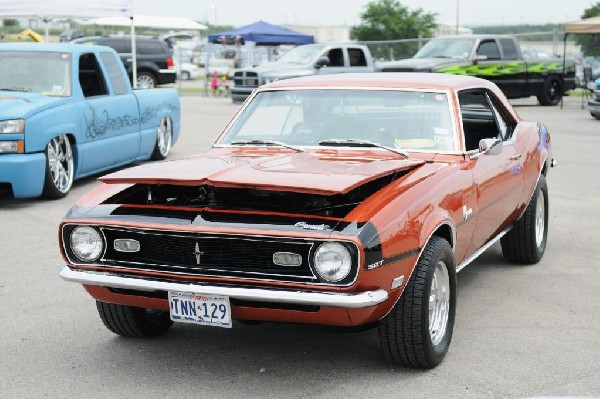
(307, 226)
(374, 265)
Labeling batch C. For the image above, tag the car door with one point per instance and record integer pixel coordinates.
(128, 137)
(491, 66)
(337, 61)
(498, 177)
(106, 118)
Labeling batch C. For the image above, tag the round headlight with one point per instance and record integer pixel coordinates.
(86, 243)
(333, 261)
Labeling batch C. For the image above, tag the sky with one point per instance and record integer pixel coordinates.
(347, 12)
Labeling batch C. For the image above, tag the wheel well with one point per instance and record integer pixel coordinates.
(147, 70)
(73, 142)
(445, 231)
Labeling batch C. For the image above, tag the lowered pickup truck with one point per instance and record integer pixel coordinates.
(493, 57)
(306, 60)
(68, 111)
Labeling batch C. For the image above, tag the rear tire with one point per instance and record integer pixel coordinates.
(551, 92)
(526, 242)
(597, 116)
(129, 321)
(146, 80)
(185, 75)
(418, 330)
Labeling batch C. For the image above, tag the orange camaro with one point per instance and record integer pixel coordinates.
(347, 200)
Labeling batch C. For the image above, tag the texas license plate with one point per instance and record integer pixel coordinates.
(208, 310)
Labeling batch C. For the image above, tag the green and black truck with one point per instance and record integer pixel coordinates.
(493, 57)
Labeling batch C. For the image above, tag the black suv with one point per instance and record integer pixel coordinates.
(154, 60)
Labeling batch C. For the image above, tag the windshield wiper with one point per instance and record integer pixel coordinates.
(361, 143)
(22, 89)
(266, 142)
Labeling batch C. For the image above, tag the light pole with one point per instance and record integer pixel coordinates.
(457, 13)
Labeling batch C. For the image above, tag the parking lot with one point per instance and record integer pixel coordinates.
(521, 331)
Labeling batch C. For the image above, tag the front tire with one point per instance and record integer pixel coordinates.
(164, 138)
(129, 321)
(551, 92)
(418, 330)
(526, 242)
(60, 168)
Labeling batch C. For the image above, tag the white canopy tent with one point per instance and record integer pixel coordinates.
(588, 25)
(150, 22)
(100, 12)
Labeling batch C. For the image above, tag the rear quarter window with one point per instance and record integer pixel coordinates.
(115, 74)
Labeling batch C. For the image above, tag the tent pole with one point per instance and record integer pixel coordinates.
(133, 52)
(564, 65)
(46, 31)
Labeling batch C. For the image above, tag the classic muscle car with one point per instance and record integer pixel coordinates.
(68, 111)
(347, 200)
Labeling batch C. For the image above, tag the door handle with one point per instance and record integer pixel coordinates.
(128, 60)
(515, 157)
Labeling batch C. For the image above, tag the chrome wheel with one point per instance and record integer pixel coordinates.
(163, 137)
(145, 81)
(540, 219)
(439, 303)
(60, 163)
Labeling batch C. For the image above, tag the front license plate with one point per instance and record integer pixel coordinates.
(208, 310)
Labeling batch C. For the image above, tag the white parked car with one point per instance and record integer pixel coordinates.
(187, 71)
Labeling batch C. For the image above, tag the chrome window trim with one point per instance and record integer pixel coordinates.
(448, 92)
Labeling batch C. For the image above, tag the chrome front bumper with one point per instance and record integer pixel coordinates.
(340, 300)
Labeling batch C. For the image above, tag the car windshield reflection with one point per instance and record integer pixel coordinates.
(408, 120)
(37, 72)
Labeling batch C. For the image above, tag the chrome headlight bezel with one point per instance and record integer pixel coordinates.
(77, 241)
(340, 269)
(12, 126)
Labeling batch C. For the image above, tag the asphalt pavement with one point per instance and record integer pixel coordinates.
(521, 331)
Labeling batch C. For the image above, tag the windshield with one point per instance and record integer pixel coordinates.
(446, 48)
(47, 73)
(301, 55)
(411, 120)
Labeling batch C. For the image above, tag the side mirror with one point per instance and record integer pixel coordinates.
(323, 61)
(479, 57)
(488, 146)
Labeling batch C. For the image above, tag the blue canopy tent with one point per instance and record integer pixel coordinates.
(259, 33)
(262, 33)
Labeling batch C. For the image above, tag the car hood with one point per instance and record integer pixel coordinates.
(418, 63)
(271, 68)
(323, 172)
(22, 105)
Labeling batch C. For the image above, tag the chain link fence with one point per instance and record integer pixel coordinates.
(584, 49)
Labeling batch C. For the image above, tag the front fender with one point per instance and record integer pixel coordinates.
(43, 126)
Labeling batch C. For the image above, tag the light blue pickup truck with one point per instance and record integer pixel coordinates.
(68, 111)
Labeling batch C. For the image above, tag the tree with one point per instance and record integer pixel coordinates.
(390, 20)
(590, 43)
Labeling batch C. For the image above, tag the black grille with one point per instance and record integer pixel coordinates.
(201, 254)
(244, 78)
